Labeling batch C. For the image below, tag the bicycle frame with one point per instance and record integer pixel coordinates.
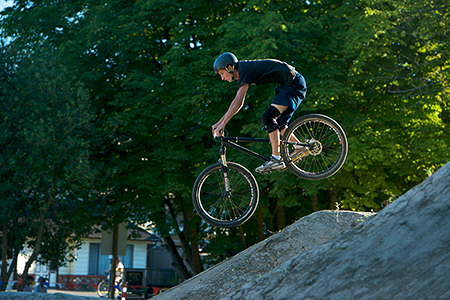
(232, 142)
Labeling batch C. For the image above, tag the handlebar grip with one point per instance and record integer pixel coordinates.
(220, 132)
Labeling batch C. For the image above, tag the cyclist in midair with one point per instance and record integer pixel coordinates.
(290, 92)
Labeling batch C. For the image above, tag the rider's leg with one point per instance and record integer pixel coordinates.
(274, 136)
(269, 119)
(299, 151)
(292, 138)
(286, 101)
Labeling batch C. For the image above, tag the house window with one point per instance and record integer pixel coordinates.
(99, 263)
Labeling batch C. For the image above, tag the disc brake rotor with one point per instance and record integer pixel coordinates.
(315, 147)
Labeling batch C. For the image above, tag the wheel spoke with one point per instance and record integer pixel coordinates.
(221, 207)
(327, 145)
(228, 205)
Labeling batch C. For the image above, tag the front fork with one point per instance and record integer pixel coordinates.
(224, 165)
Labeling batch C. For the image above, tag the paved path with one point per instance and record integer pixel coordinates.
(75, 293)
(85, 294)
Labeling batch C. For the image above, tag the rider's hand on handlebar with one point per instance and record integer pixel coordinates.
(217, 130)
(217, 133)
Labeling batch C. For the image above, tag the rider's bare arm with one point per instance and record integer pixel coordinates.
(234, 108)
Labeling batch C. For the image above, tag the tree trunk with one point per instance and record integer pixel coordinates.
(197, 264)
(260, 221)
(4, 272)
(177, 261)
(315, 203)
(112, 269)
(13, 265)
(190, 250)
(192, 236)
(281, 218)
(242, 236)
(35, 253)
(187, 253)
(188, 238)
(333, 198)
(17, 248)
(54, 266)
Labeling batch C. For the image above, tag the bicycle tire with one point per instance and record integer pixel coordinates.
(327, 143)
(219, 208)
(103, 288)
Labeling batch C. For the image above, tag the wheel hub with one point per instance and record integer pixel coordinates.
(315, 147)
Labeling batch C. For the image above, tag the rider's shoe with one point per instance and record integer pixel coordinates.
(271, 165)
(298, 154)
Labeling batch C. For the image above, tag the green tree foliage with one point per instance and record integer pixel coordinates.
(45, 168)
(380, 68)
(394, 100)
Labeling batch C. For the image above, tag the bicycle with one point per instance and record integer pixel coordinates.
(103, 288)
(226, 194)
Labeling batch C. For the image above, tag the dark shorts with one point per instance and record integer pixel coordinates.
(290, 96)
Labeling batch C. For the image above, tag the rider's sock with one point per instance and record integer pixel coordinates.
(277, 157)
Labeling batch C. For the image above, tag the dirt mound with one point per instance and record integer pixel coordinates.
(254, 262)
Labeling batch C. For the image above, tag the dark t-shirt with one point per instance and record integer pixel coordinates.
(265, 71)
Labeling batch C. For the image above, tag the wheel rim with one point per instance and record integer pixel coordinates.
(325, 145)
(221, 205)
(103, 289)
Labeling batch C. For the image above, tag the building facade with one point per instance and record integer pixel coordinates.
(146, 262)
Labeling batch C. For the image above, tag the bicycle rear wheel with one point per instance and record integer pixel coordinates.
(327, 145)
(103, 288)
(224, 207)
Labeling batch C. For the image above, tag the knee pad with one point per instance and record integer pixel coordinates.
(269, 119)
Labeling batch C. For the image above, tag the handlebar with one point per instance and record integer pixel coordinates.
(222, 132)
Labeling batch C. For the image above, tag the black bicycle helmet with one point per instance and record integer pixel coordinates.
(224, 60)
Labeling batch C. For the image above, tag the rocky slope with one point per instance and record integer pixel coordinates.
(403, 252)
(230, 275)
(220, 280)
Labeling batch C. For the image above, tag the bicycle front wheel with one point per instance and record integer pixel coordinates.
(225, 196)
(102, 288)
(325, 144)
